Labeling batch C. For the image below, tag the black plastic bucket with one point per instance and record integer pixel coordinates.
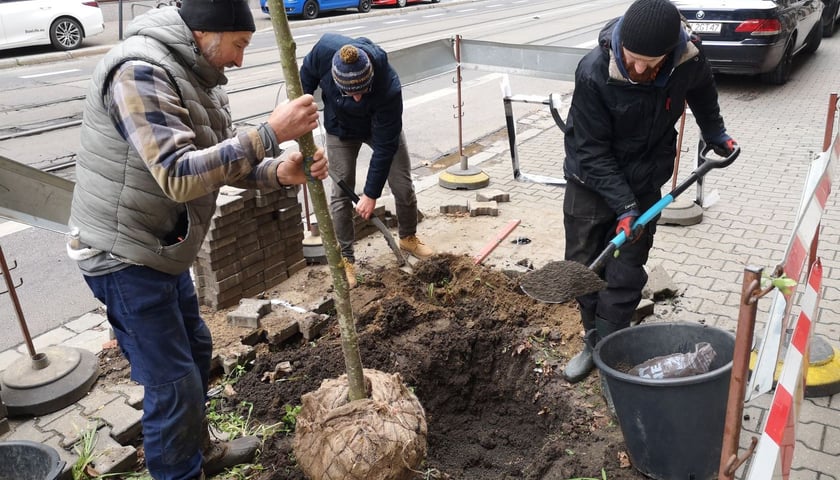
(673, 427)
(25, 460)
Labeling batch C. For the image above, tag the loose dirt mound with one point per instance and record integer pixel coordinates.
(485, 361)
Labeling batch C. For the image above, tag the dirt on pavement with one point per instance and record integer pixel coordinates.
(484, 359)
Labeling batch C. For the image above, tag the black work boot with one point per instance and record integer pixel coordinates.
(218, 456)
(581, 364)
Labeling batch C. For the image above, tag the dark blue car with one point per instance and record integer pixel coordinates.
(309, 9)
(755, 36)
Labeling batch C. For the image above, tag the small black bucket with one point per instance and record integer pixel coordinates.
(25, 460)
(673, 427)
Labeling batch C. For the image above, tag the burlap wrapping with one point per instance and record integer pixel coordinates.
(380, 437)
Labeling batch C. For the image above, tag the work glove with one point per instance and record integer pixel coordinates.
(723, 145)
(625, 224)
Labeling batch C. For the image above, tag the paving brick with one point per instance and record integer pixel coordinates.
(90, 340)
(312, 324)
(9, 357)
(87, 322)
(110, 457)
(484, 208)
(123, 418)
(132, 392)
(69, 456)
(96, 399)
(53, 337)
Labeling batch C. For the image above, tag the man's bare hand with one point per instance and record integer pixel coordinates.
(365, 207)
(292, 119)
(290, 171)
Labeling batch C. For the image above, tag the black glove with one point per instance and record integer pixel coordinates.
(724, 145)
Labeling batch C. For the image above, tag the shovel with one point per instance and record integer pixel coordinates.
(376, 222)
(561, 281)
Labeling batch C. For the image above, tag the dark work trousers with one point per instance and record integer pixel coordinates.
(343, 155)
(156, 320)
(590, 225)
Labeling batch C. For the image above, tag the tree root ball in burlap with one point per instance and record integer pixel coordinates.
(377, 438)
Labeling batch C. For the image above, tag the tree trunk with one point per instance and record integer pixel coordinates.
(349, 341)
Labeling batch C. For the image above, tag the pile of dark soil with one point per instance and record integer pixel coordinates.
(485, 361)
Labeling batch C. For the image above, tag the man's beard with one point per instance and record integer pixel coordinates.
(211, 52)
(647, 76)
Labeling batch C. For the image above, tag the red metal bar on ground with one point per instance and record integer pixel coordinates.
(496, 241)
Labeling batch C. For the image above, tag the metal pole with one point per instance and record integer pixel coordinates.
(750, 292)
(13, 295)
(829, 121)
(679, 150)
(460, 114)
(120, 18)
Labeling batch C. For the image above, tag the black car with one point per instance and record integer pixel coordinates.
(831, 15)
(755, 36)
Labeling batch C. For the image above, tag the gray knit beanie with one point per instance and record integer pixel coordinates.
(351, 69)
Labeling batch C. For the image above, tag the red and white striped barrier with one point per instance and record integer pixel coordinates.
(817, 189)
(774, 454)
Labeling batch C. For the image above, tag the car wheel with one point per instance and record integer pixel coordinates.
(364, 6)
(781, 74)
(66, 34)
(814, 39)
(310, 9)
(829, 23)
(401, 3)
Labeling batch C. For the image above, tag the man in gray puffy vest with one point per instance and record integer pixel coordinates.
(157, 143)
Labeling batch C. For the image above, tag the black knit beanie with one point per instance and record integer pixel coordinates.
(218, 15)
(651, 27)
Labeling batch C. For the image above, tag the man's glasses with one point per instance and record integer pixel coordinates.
(352, 94)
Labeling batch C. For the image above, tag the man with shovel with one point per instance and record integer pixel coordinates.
(620, 144)
(363, 104)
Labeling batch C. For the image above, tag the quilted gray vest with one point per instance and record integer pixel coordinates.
(118, 206)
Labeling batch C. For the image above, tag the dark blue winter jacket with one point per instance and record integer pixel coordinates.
(376, 119)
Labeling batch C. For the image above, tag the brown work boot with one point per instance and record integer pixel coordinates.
(414, 246)
(218, 456)
(350, 271)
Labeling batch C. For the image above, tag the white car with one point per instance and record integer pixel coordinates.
(62, 23)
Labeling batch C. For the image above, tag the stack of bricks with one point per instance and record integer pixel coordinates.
(254, 243)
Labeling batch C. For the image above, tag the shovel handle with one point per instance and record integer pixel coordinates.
(651, 213)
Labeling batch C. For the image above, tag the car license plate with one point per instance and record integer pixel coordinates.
(705, 27)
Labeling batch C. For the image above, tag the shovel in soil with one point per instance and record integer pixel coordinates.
(561, 281)
(401, 261)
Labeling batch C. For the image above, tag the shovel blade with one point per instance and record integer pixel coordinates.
(560, 282)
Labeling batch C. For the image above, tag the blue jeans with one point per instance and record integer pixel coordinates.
(156, 320)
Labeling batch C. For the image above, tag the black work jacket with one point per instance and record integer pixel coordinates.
(620, 138)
